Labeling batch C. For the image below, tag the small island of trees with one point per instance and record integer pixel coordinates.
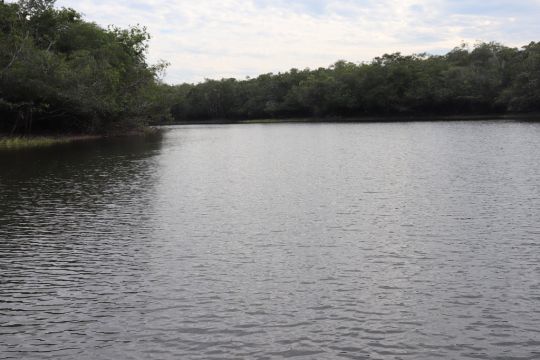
(62, 74)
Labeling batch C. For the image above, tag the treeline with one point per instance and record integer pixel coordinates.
(61, 73)
(489, 78)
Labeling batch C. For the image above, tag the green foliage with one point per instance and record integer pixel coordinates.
(15, 143)
(523, 92)
(61, 73)
(489, 78)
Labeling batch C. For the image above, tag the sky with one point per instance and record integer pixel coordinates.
(239, 38)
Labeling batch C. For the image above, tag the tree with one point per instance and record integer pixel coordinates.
(61, 73)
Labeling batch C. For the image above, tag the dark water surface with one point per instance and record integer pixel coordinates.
(314, 241)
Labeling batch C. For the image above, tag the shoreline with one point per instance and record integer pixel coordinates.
(19, 142)
(366, 119)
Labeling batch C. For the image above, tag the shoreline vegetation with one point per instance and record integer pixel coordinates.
(23, 142)
(10, 142)
(62, 75)
(369, 119)
(18, 142)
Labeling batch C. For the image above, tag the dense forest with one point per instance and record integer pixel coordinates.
(60, 73)
(487, 79)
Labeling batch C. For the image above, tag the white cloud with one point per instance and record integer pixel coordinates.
(236, 38)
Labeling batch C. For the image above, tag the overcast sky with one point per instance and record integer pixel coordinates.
(239, 38)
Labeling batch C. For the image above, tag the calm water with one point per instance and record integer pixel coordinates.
(314, 241)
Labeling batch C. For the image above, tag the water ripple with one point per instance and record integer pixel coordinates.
(353, 241)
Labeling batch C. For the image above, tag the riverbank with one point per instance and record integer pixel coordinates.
(23, 142)
(369, 119)
(8, 142)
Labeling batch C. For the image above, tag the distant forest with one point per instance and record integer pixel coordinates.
(60, 73)
(489, 78)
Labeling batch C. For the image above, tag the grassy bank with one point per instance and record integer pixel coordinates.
(8, 142)
(25, 142)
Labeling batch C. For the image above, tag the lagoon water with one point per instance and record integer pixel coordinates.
(309, 241)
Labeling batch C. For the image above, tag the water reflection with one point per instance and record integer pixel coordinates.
(72, 249)
(360, 241)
